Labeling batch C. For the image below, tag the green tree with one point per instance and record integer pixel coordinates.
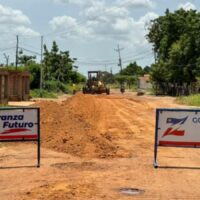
(176, 41)
(133, 69)
(129, 80)
(34, 69)
(107, 77)
(57, 64)
(76, 77)
(147, 70)
(25, 59)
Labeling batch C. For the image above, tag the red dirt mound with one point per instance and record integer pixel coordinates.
(77, 126)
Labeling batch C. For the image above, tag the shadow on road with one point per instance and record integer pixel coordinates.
(178, 167)
(18, 167)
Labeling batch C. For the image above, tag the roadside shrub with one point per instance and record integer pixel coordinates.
(57, 86)
(44, 93)
(52, 86)
(192, 100)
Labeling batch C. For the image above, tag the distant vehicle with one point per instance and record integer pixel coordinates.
(122, 89)
(94, 85)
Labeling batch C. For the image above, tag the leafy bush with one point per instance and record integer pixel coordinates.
(44, 93)
(34, 70)
(76, 77)
(56, 86)
(192, 100)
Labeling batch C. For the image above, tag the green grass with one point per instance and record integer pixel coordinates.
(45, 94)
(192, 100)
(53, 94)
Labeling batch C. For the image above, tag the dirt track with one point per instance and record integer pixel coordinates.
(94, 145)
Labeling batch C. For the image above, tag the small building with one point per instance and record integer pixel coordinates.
(14, 86)
(144, 82)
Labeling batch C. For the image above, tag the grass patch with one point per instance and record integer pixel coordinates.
(192, 100)
(44, 94)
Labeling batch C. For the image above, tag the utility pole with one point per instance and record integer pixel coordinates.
(155, 55)
(7, 59)
(41, 66)
(17, 51)
(111, 70)
(105, 68)
(120, 59)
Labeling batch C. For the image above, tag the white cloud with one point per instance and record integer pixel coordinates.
(68, 26)
(11, 16)
(78, 2)
(148, 17)
(187, 6)
(124, 3)
(106, 22)
(63, 22)
(22, 30)
(105, 27)
(15, 22)
(136, 3)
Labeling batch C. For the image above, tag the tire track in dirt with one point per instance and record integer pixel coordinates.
(124, 117)
(134, 120)
(132, 128)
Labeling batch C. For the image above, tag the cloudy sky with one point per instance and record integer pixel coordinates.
(89, 29)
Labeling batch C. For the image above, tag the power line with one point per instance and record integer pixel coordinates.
(138, 53)
(96, 64)
(107, 61)
(136, 57)
(110, 62)
(6, 49)
(114, 63)
(28, 45)
(30, 51)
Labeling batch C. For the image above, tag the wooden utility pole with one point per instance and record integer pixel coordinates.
(105, 68)
(120, 59)
(111, 70)
(17, 51)
(41, 66)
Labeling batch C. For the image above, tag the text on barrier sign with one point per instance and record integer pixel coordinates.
(20, 124)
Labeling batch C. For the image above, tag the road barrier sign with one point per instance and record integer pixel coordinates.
(177, 128)
(20, 124)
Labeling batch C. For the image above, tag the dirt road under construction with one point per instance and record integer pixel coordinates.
(94, 145)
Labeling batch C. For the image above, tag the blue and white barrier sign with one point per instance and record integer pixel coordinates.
(177, 128)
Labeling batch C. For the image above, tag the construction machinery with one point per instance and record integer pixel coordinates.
(94, 84)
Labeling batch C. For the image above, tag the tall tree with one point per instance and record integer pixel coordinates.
(133, 69)
(57, 64)
(176, 41)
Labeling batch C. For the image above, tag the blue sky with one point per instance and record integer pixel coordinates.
(89, 29)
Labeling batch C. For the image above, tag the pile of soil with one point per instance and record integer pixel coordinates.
(76, 126)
